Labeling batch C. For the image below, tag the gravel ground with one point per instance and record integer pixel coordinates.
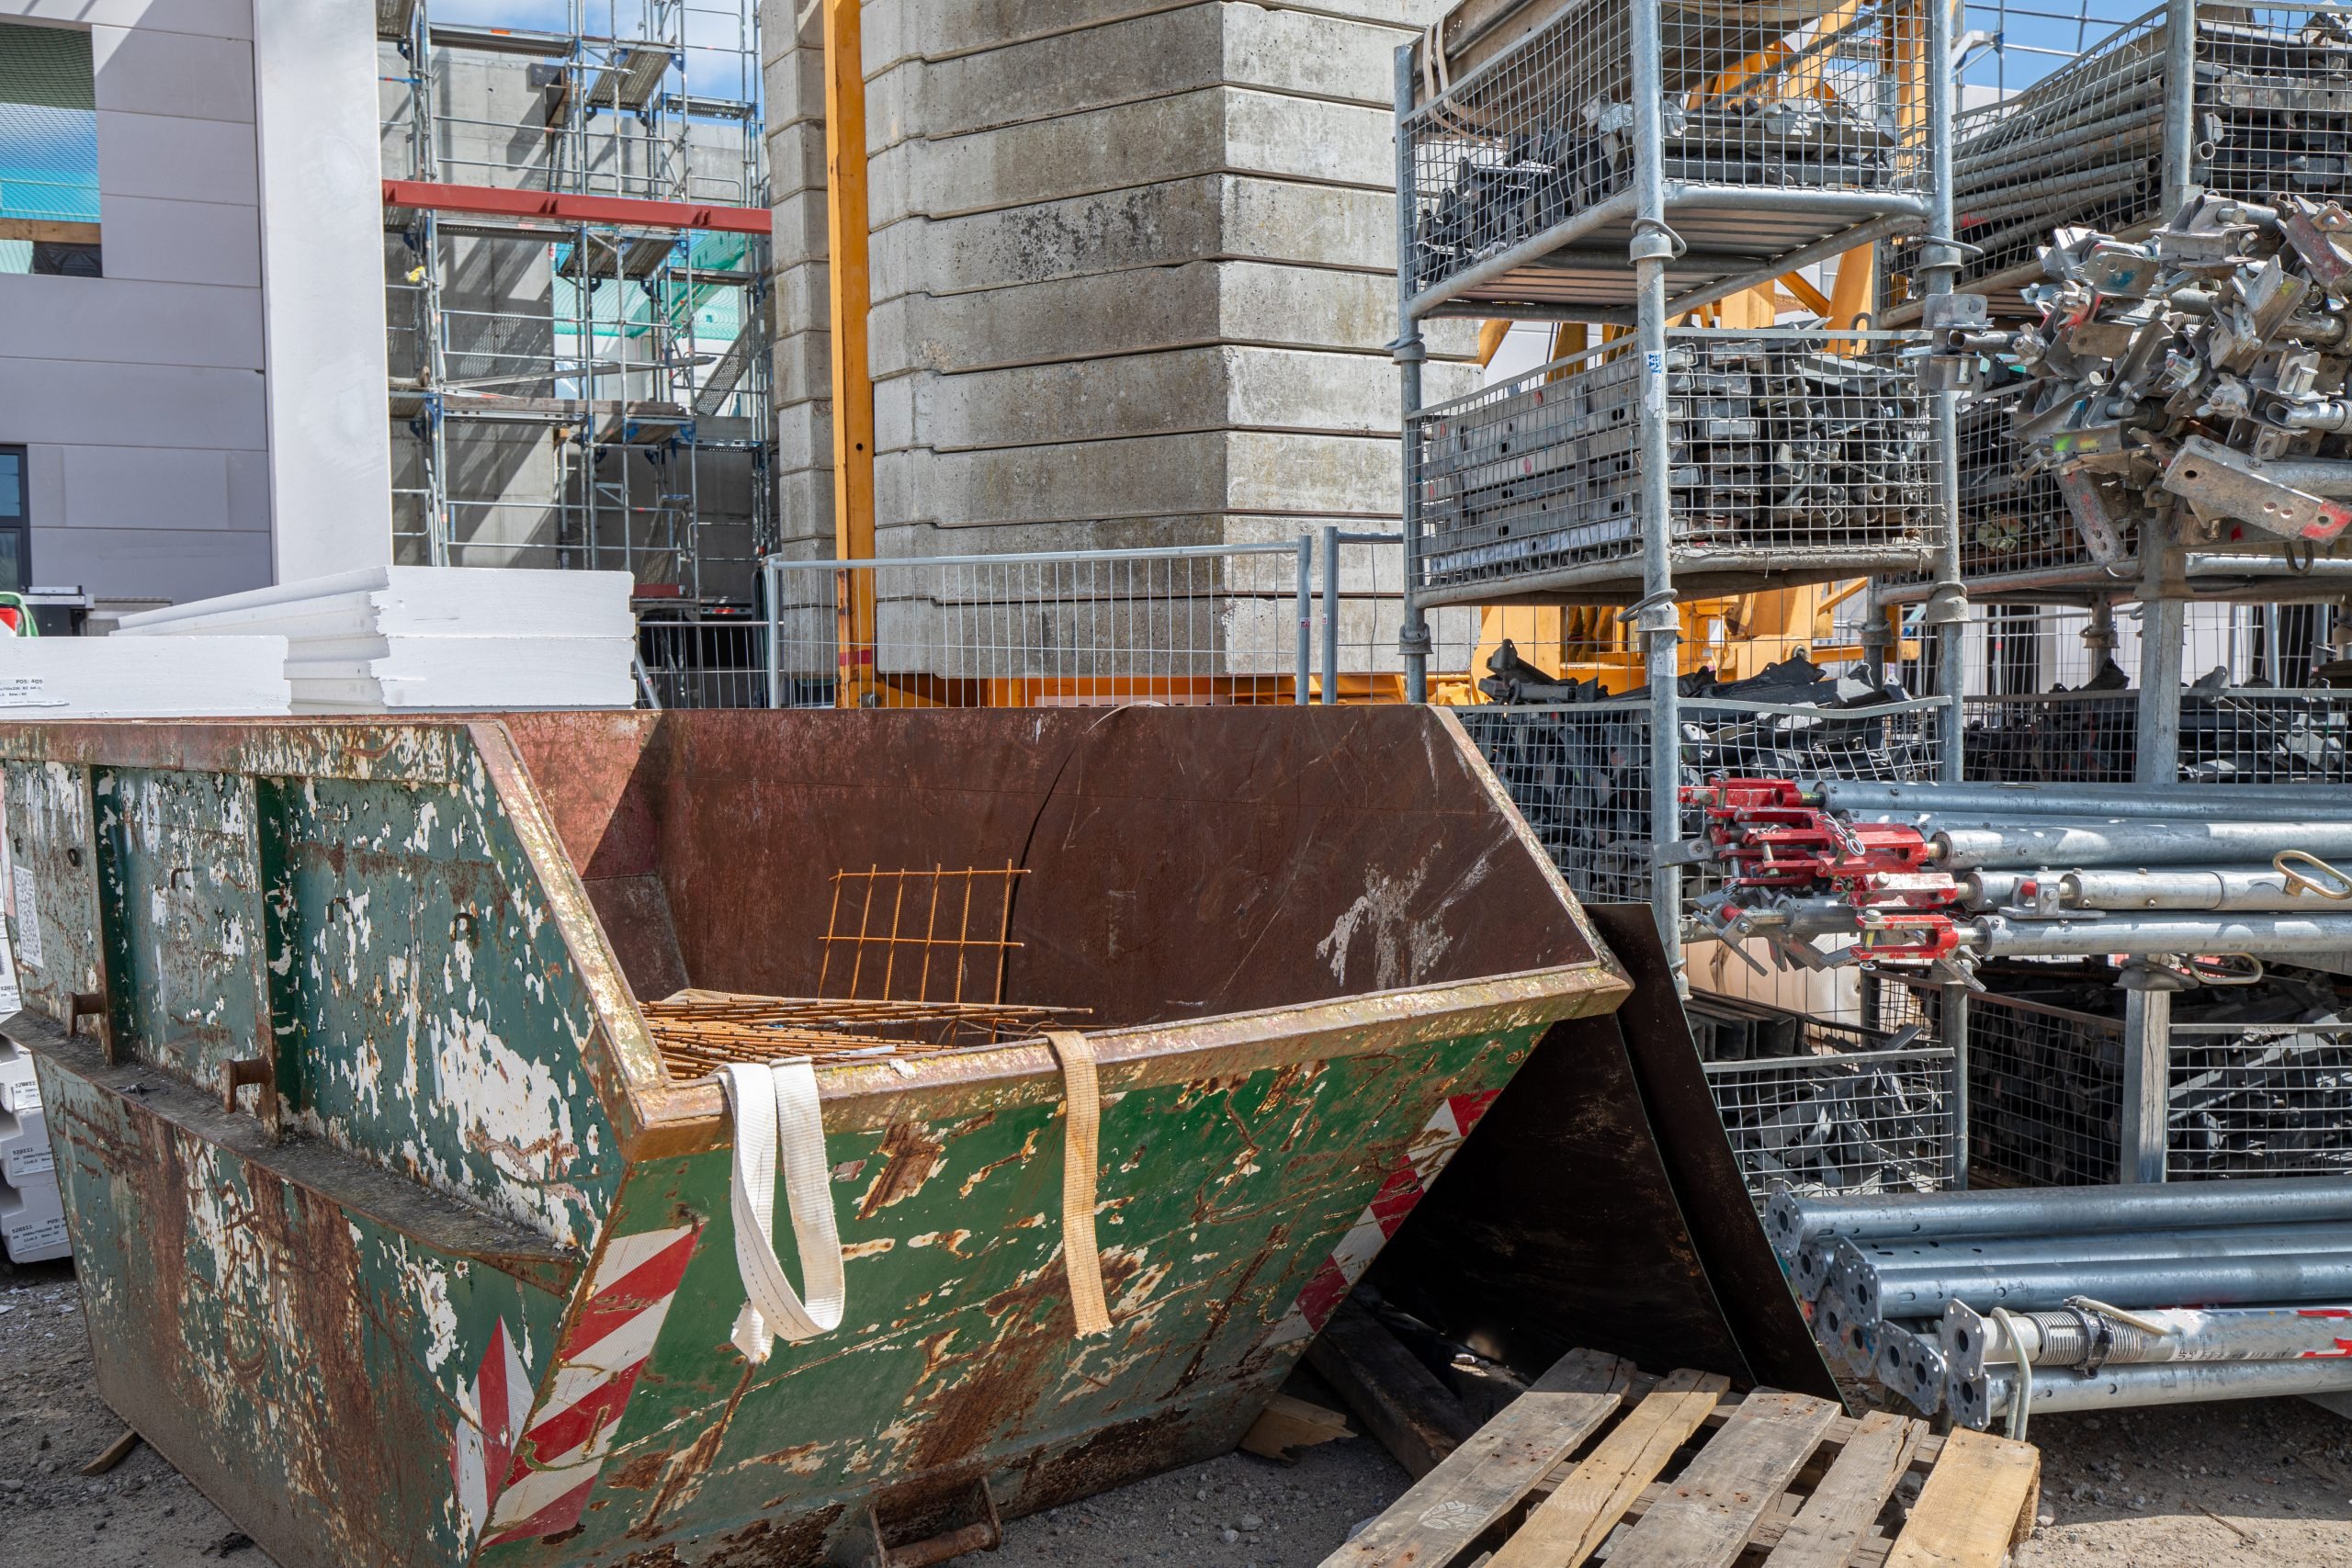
(2131, 1490)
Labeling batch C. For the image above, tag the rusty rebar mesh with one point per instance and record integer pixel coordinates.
(909, 934)
(699, 1032)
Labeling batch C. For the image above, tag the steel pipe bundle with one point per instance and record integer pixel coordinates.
(1971, 1299)
(2261, 93)
(1943, 877)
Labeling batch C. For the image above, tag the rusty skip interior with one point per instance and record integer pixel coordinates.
(902, 950)
(846, 885)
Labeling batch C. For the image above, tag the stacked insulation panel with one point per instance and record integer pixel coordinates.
(32, 1215)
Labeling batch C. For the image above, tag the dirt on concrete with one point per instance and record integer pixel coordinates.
(2265, 1482)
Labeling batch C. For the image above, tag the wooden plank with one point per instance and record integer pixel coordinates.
(1587, 1372)
(1583, 1510)
(1477, 1483)
(1398, 1400)
(1843, 1507)
(1978, 1503)
(1290, 1422)
(1705, 1518)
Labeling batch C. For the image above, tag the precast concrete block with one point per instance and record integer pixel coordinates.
(1223, 386)
(804, 507)
(1213, 130)
(1217, 43)
(1212, 216)
(799, 297)
(796, 88)
(798, 230)
(796, 155)
(937, 29)
(802, 368)
(805, 438)
(1204, 471)
(1148, 310)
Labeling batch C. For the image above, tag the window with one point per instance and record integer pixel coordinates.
(16, 521)
(49, 153)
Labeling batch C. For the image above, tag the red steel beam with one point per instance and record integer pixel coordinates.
(496, 201)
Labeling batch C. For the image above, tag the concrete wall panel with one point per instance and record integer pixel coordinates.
(179, 160)
(1214, 471)
(140, 71)
(146, 487)
(154, 241)
(1155, 226)
(71, 403)
(134, 323)
(1153, 56)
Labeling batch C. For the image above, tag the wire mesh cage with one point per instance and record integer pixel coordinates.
(2261, 1100)
(2228, 734)
(2045, 1093)
(1797, 456)
(2268, 101)
(2015, 529)
(1825, 1106)
(1580, 775)
(1538, 142)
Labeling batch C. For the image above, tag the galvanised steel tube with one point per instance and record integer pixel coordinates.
(1413, 636)
(2133, 843)
(1792, 1219)
(2080, 1336)
(2092, 934)
(2256, 890)
(2066, 800)
(1984, 1399)
(2200, 889)
(2130, 1282)
(1656, 620)
(1877, 1274)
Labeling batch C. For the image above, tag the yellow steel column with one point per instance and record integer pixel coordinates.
(846, 242)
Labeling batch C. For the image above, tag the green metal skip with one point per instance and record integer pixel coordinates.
(400, 1235)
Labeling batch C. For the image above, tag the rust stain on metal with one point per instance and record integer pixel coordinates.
(911, 1156)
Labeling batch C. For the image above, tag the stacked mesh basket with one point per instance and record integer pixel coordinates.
(1790, 95)
(1822, 1105)
(1801, 453)
(1580, 775)
(2231, 734)
(2256, 1086)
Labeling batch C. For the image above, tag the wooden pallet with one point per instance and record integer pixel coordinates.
(1598, 1462)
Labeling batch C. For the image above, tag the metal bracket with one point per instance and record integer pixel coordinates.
(1946, 605)
(985, 1534)
(2222, 482)
(1653, 241)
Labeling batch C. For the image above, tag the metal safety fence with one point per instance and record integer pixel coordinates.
(1310, 619)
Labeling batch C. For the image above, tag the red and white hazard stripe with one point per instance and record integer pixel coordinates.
(1425, 1156)
(537, 1481)
(491, 1409)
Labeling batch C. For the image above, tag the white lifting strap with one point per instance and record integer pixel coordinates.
(775, 1106)
(1082, 1121)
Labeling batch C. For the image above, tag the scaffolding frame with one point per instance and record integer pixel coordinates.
(634, 342)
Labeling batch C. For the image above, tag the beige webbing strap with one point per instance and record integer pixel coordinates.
(1083, 1122)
